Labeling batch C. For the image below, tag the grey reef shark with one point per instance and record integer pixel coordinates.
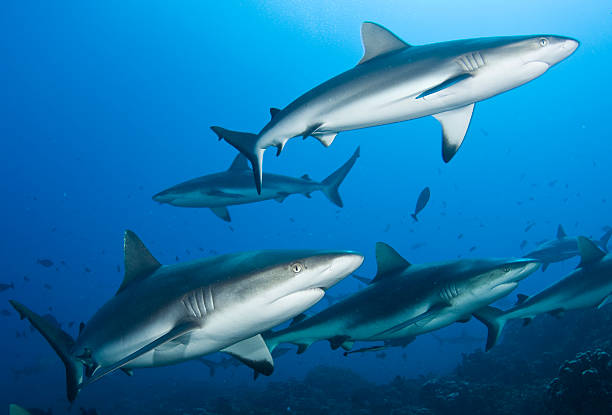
(590, 285)
(235, 187)
(403, 301)
(395, 81)
(563, 247)
(167, 314)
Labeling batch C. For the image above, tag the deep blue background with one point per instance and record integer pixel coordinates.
(104, 104)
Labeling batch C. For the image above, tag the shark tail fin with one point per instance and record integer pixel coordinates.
(61, 342)
(333, 181)
(246, 143)
(494, 319)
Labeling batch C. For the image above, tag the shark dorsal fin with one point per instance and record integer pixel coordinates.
(378, 41)
(139, 263)
(273, 112)
(561, 232)
(239, 163)
(388, 261)
(589, 252)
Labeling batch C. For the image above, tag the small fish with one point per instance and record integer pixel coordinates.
(292, 220)
(523, 244)
(4, 287)
(529, 226)
(418, 245)
(231, 228)
(47, 286)
(387, 228)
(177, 259)
(87, 269)
(118, 268)
(5, 312)
(460, 236)
(47, 263)
(421, 203)
(472, 249)
(63, 263)
(26, 278)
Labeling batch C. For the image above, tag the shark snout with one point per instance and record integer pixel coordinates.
(163, 197)
(567, 45)
(338, 267)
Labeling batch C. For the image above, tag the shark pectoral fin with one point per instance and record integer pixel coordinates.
(254, 353)
(455, 124)
(494, 319)
(378, 41)
(222, 212)
(177, 331)
(589, 251)
(139, 263)
(418, 319)
(388, 262)
(444, 85)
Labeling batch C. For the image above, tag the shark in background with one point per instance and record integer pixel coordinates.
(167, 314)
(395, 81)
(563, 247)
(235, 187)
(405, 300)
(590, 285)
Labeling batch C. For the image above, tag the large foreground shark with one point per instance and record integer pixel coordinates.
(395, 81)
(563, 247)
(235, 187)
(163, 315)
(404, 300)
(590, 285)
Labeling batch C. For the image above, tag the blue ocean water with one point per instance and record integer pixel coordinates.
(105, 104)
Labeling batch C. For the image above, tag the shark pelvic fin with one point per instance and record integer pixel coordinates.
(589, 251)
(221, 212)
(561, 232)
(240, 163)
(139, 263)
(388, 261)
(378, 41)
(455, 124)
(254, 353)
(246, 143)
(178, 331)
(415, 320)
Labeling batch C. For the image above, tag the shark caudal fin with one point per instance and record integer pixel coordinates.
(61, 342)
(334, 180)
(494, 319)
(603, 242)
(246, 143)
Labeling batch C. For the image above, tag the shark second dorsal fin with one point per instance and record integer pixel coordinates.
(589, 252)
(239, 163)
(561, 232)
(388, 261)
(378, 41)
(139, 263)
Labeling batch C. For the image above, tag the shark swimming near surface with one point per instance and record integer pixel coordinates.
(405, 300)
(395, 81)
(590, 285)
(166, 314)
(563, 247)
(235, 187)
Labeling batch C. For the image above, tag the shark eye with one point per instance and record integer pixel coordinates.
(507, 268)
(543, 42)
(296, 267)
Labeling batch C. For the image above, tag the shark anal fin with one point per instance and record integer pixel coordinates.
(139, 263)
(222, 212)
(301, 348)
(388, 261)
(443, 85)
(378, 41)
(254, 353)
(455, 124)
(177, 331)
